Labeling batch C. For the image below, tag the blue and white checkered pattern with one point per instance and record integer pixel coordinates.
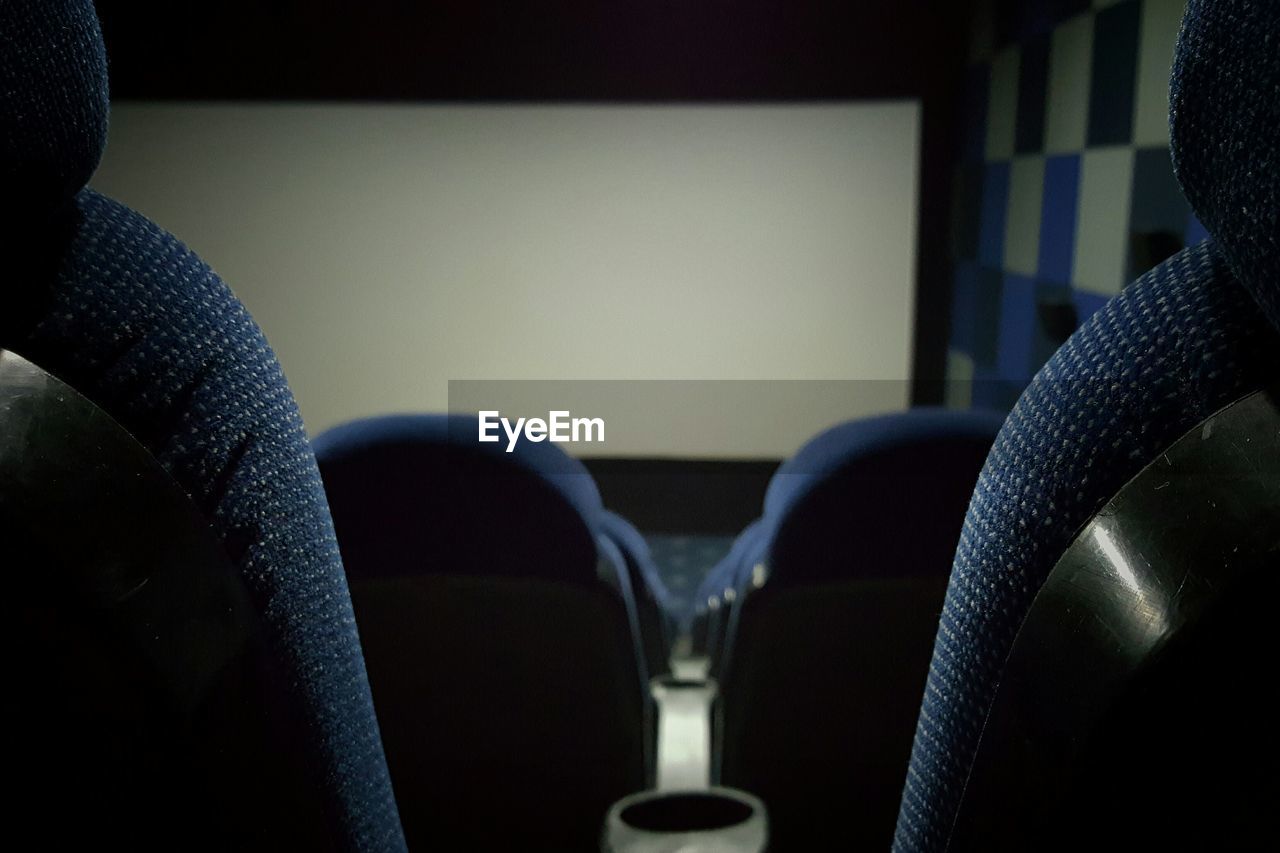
(1066, 190)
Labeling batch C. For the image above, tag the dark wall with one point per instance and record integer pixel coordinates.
(707, 496)
(574, 50)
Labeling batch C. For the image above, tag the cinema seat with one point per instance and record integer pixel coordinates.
(499, 629)
(723, 585)
(183, 666)
(1099, 667)
(828, 639)
(653, 601)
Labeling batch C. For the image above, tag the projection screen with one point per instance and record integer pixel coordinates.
(388, 249)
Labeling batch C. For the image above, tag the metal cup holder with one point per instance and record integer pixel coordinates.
(710, 820)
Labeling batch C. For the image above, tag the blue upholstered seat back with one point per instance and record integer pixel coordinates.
(876, 497)
(1224, 111)
(858, 490)
(1189, 337)
(829, 453)
(502, 635)
(131, 318)
(53, 106)
(418, 493)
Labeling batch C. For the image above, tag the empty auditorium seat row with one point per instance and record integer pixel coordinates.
(533, 620)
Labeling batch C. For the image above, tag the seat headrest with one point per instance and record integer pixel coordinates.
(830, 452)
(458, 433)
(1224, 117)
(53, 105)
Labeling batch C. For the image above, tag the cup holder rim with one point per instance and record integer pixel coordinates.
(687, 811)
(672, 682)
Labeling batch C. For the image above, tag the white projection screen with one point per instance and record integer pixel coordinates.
(388, 249)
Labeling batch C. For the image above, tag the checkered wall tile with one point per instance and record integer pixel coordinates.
(1065, 191)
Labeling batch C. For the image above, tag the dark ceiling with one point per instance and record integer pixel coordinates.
(550, 50)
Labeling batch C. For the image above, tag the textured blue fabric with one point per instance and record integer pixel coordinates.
(1189, 337)
(567, 475)
(53, 106)
(1225, 124)
(827, 453)
(1180, 343)
(141, 326)
(129, 317)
